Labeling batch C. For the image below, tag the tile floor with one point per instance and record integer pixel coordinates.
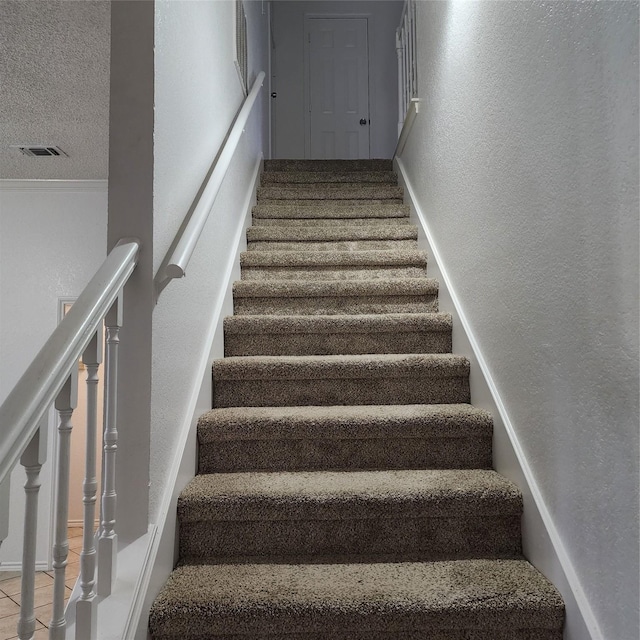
(10, 593)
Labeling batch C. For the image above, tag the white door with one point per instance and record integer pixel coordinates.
(337, 88)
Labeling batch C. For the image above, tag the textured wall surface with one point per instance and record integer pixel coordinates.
(198, 93)
(52, 240)
(54, 65)
(288, 40)
(525, 158)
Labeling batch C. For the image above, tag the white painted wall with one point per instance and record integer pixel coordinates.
(288, 65)
(197, 94)
(525, 162)
(52, 240)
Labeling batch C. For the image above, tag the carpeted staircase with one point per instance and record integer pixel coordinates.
(345, 488)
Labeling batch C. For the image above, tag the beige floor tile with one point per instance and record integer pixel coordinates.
(74, 532)
(8, 575)
(75, 544)
(43, 614)
(41, 596)
(12, 587)
(74, 556)
(8, 607)
(71, 582)
(8, 627)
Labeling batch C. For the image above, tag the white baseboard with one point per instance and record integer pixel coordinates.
(542, 543)
(17, 566)
(80, 523)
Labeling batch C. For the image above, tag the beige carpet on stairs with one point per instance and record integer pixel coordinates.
(345, 488)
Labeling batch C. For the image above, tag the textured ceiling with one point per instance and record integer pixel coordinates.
(54, 87)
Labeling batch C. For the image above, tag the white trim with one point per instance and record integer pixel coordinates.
(578, 594)
(80, 523)
(17, 566)
(53, 185)
(168, 504)
(140, 590)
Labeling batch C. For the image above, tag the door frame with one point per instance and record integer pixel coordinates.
(307, 60)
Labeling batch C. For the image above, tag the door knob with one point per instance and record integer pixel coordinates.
(363, 121)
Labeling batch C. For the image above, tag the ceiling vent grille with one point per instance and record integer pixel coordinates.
(40, 151)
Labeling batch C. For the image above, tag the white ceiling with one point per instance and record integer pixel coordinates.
(54, 87)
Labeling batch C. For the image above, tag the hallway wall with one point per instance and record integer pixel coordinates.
(52, 240)
(197, 95)
(288, 56)
(525, 160)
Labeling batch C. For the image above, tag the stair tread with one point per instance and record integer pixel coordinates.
(327, 233)
(367, 257)
(329, 495)
(340, 422)
(330, 288)
(365, 323)
(356, 598)
(314, 177)
(370, 366)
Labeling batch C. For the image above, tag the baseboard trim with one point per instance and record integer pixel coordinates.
(579, 611)
(17, 566)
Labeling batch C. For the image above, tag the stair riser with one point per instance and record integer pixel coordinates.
(332, 192)
(300, 344)
(346, 272)
(332, 177)
(334, 209)
(329, 204)
(328, 165)
(329, 222)
(341, 391)
(428, 633)
(326, 305)
(356, 454)
(339, 245)
(422, 538)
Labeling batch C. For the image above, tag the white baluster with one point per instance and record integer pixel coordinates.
(409, 53)
(65, 403)
(108, 542)
(86, 606)
(414, 49)
(4, 509)
(400, 88)
(32, 460)
(405, 78)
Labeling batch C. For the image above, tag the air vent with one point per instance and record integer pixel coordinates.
(40, 150)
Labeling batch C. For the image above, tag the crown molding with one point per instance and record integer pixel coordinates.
(54, 185)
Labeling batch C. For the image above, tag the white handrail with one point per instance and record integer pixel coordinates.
(24, 407)
(412, 111)
(181, 255)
